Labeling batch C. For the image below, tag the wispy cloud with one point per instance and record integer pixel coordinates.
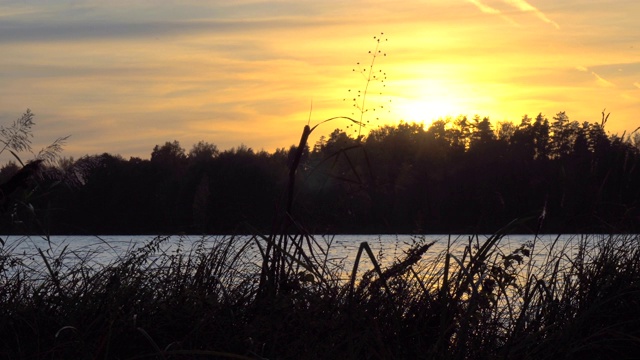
(636, 84)
(485, 8)
(599, 79)
(13, 32)
(525, 6)
(582, 68)
(521, 5)
(602, 81)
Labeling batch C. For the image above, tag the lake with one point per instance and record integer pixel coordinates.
(103, 250)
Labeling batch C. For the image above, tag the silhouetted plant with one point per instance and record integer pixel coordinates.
(358, 98)
(16, 139)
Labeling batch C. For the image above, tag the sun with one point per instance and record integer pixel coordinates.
(426, 100)
(426, 110)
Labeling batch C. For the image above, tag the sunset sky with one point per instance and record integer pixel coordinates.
(122, 76)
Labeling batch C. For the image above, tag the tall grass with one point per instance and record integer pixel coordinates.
(210, 300)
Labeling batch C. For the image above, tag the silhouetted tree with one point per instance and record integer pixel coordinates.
(170, 154)
(482, 133)
(563, 134)
(203, 151)
(456, 176)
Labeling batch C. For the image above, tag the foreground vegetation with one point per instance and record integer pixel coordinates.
(282, 297)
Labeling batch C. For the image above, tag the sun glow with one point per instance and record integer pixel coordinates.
(426, 110)
(433, 92)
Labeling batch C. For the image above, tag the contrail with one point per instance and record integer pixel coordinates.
(485, 8)
(521, 5)
(525, 6)
(602, 81)
(491, 10)
(599, 79)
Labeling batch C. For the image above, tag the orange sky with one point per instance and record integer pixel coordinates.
(121, 77)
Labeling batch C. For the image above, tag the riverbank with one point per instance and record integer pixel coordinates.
(217, 300)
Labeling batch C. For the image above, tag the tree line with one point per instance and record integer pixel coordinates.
(462, 175)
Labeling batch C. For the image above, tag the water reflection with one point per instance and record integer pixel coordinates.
(339, 250)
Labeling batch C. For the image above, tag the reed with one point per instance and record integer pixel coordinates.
(204, 301)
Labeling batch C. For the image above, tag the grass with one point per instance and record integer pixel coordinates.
(284, 298)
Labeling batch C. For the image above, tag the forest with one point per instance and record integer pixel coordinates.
(458, 175)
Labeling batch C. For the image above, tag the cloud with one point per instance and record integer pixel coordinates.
(14, 32)
(526, 7)
(485, 8)
(120, 20)
(636, 84)
(521, 5)
(601, 81)
(492, 11)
